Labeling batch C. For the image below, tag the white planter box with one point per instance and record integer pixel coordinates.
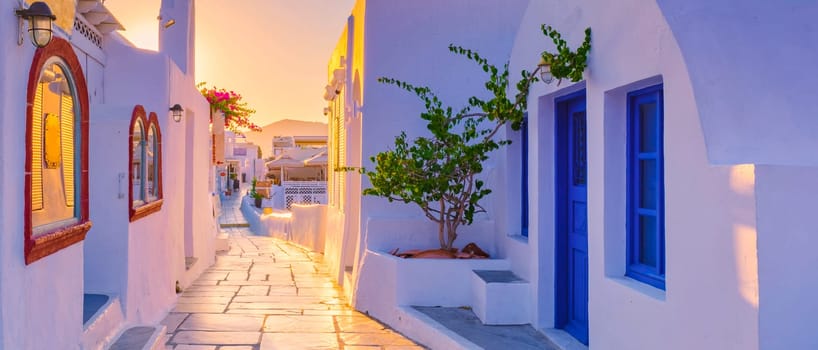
(386, 282)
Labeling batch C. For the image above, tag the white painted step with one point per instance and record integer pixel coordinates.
(103, 326)
(500, 297)
(141, 338)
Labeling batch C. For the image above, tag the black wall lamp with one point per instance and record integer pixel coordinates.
(177, 112)
(40, 19)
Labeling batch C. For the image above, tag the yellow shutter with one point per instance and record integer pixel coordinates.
(67, 143)
(37, 150)
(342, 150)
(331, 162)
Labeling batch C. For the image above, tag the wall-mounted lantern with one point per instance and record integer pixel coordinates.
(40, 19)
(545, 72)
(177, 112)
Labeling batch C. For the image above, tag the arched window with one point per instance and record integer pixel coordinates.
(145, 164)
(56, 171)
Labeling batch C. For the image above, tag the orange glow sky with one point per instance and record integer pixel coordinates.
(273, 52)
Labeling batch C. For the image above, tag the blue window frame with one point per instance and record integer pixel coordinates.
(524, 177)
(646, 194)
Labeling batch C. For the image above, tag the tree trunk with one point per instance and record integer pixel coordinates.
(441, 226)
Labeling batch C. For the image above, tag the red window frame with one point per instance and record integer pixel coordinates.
(39, 247)
(136, 213)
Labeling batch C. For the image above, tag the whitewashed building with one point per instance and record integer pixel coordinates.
(106, 198)
(404, 41)
(681, 218)
(243, 156)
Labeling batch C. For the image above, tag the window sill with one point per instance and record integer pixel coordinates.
(52, 242)
(145, 210)
(641, 287)
(519, 238)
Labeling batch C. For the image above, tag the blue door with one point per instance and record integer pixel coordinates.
(572, 216)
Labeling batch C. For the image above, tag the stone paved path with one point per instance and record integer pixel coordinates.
(266, 294)
(231, 215)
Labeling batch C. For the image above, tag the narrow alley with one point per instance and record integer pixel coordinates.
(265, 293)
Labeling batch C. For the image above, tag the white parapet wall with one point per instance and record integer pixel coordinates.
(308, 226)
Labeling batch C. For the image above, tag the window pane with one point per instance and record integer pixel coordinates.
(52, 142)
(648, 183)
(647, 240)
(580, 149)
(52, 147)
(647, 127)
(67, 146)
(150, 154)
(136, 162)
(37, 150)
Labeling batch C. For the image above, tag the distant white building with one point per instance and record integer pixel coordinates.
(682, 218)
(106, 195)
(283, 143)
(242, 157)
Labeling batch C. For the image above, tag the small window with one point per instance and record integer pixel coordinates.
(524, 177)
(151, 168)
(137, 160)
(145, 169)
(645, 202)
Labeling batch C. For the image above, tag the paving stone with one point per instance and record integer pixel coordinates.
(237, 276)
(277, 283)
(222, 338)
(359, 324)
(223, 322)
(200, 293)
(319, 291)
(297, 341)
(173, 320)
(195, 347)
(265, 311)
(390, 338)
(286, 290)
(278, 299)
(206, 282)
(212, 289)
(341, 312)
(200, 308)
(213, 276)
(258, 277)
(184, 299)
(308, 324)
(284, 305)
(253, 291)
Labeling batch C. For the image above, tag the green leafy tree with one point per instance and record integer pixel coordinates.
(439, 173)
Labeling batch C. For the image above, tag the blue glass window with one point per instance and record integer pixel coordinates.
(524, 177)
(645, 201)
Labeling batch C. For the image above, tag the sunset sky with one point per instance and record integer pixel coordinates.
(273, 52)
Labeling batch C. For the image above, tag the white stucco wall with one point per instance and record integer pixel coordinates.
(787, 198)
(758, 48)
(106, 245)
(189, 183)
(42, 317)
(712, 289)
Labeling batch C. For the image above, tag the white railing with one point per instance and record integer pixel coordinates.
(305, 192)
